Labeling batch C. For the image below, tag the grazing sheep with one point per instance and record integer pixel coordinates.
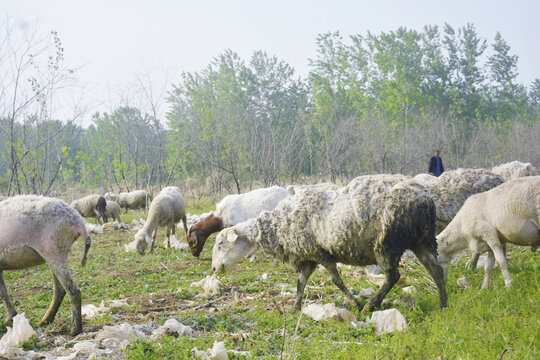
(167, 209)
(92, 206)
(138, 199)
(514, 170)
(507, 213)
(113, 210)
(36, 230)
(234, 209)
(452, 188)
(372, 220)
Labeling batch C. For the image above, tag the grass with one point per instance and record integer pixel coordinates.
(476, 325)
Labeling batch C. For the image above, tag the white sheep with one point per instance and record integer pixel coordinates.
(113, 210)
(372, 220)
(507, 213)
(92, 206)
(167, 209)
(514, 170)
(137, 199)
(234, 209)
(36, 230)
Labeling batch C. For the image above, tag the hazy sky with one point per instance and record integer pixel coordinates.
(114, 39)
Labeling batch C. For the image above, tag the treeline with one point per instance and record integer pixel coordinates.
(371, 103)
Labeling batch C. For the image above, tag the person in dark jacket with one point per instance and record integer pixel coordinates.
(436, 167)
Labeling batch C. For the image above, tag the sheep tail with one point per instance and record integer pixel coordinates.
(81, 231)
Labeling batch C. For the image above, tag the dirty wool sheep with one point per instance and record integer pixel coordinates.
(138, 199)
(372, 220)
(36, 230)
(452, 188)
(167, 209)
(514, 170)
(507, 213)
(92, 206)
(113, 210)
(234, 209)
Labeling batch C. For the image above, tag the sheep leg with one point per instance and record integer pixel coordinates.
(338, 281)
(487, 233)
(488, 269)
(154, 235)
(429, 261)
(474, 260)
(391, 277)
(11, 312)
(64, 277)
(501, 260)
(169, 235)
(305, 272)
(58, 296)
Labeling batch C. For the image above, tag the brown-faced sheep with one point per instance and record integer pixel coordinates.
(92, 206)
(167, 209)
(234, 209)
(372, 220)
(507, 213)
(36, 230)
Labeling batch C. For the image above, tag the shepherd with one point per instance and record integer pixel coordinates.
(436, 167)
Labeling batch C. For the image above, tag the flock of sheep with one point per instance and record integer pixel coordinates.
(372, 220)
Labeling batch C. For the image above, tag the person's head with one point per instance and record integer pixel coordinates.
(436, 154)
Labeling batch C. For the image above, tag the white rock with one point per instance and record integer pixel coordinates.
(131, 247)
(375, 275)
(324, 312)
(365, 293)
(118, 336)
(210, 284)
(16, 335)
(388, 321)
(94, 229)
(90, 311)
(176, 244)
(463, 282)
(218, 351)
(173, 326)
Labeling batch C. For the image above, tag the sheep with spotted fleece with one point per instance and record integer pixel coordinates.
(372, 220)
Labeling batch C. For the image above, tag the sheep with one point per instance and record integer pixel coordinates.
(234, 209)
(92, 206)
(323, 186)
(138, 199)
(514, 170)
(35, 230)
(113, 210)
(507, 213)
(167, 209)
(452, 188)
(372, 220)
(424, 178)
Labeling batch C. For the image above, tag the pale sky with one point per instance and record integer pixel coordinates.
(112, 40)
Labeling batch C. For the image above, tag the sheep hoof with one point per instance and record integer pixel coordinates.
(76, 331)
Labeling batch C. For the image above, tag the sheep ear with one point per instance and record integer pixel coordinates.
(232, 237)
(148, 240)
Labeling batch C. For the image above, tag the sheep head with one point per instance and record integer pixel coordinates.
(143, 240)
(230, 248)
